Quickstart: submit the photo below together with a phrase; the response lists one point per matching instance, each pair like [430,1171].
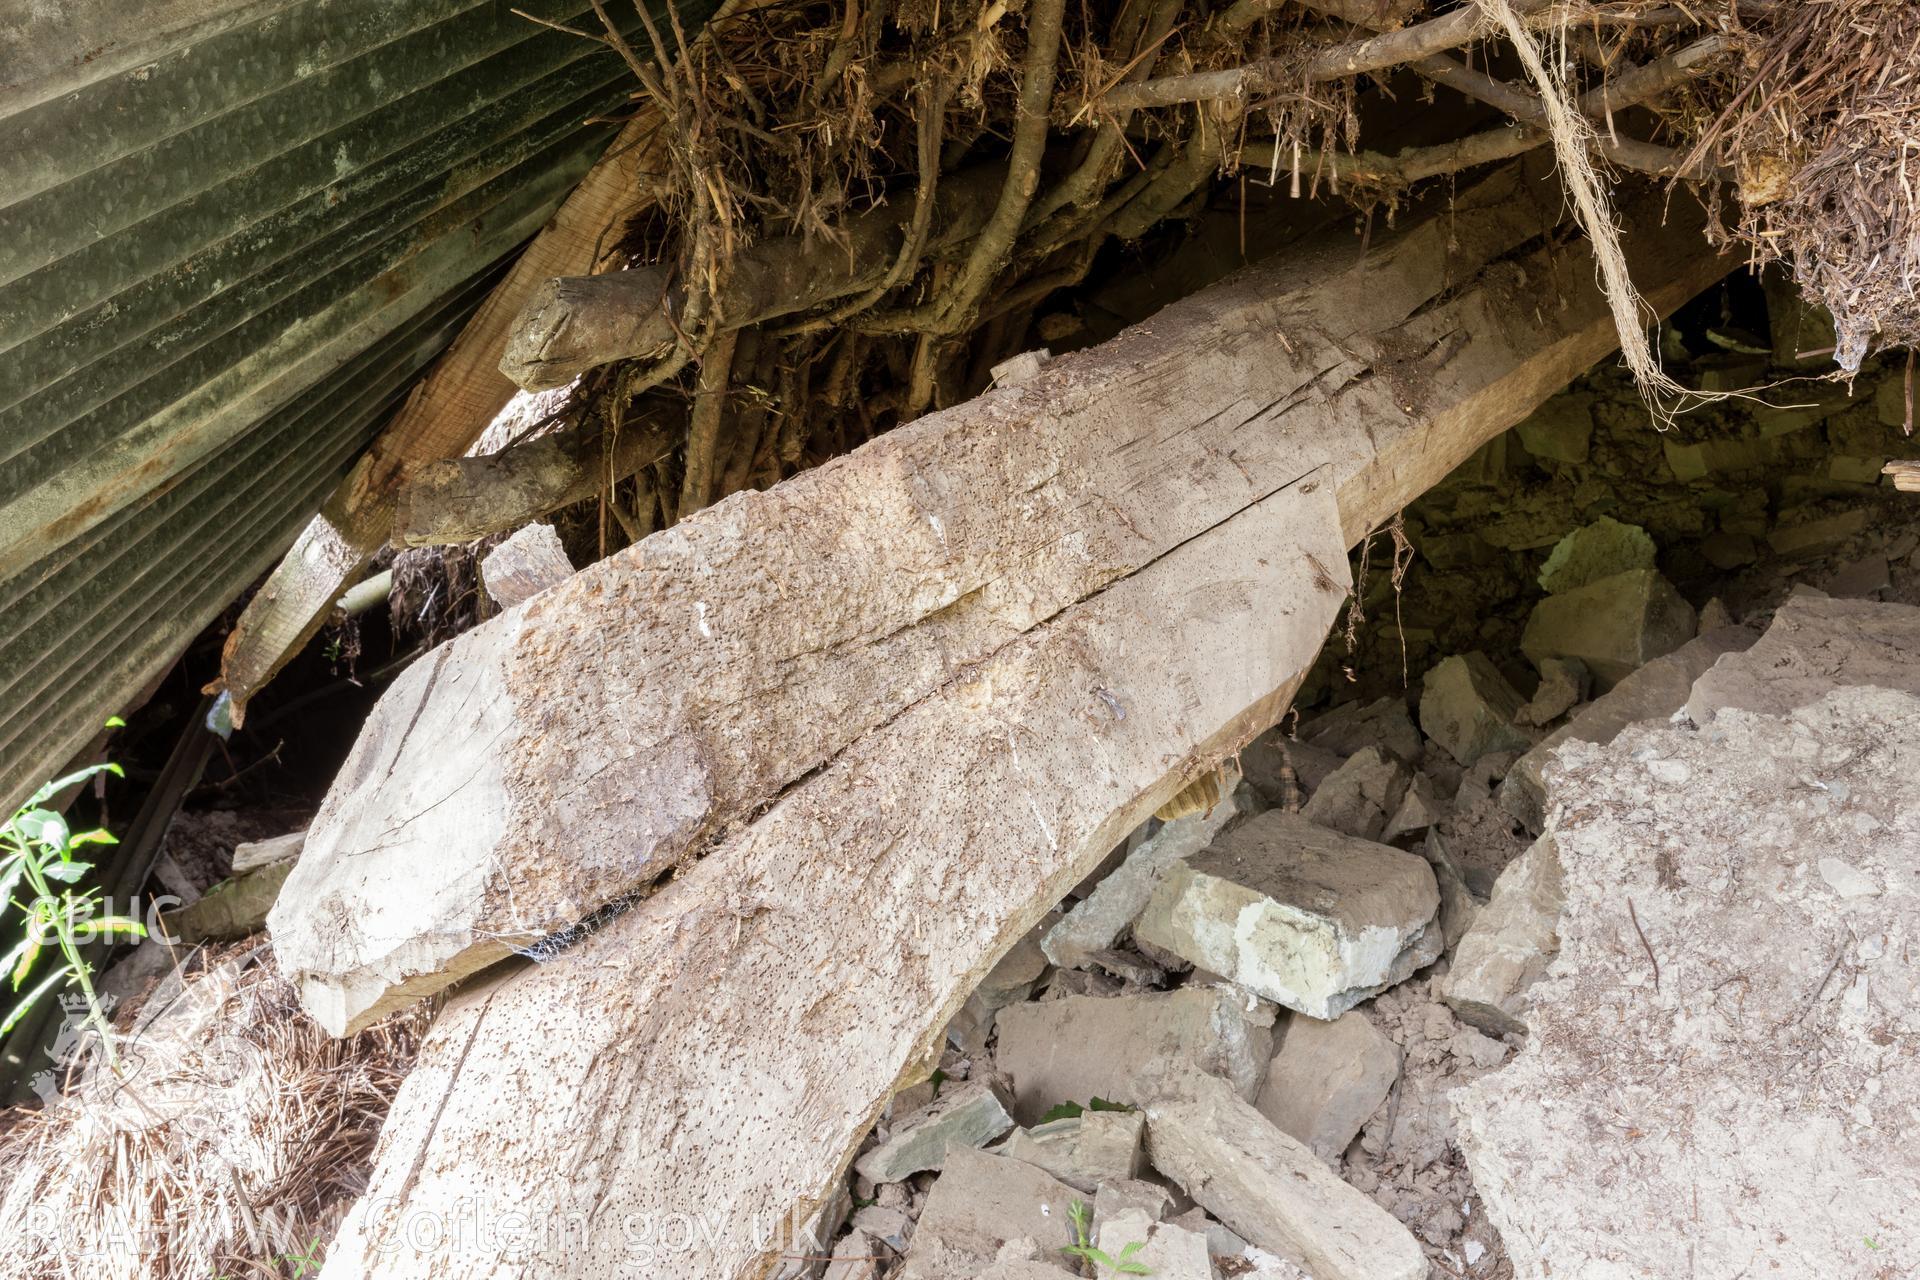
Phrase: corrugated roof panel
[224,253]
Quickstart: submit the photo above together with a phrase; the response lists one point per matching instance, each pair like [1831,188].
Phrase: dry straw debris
[234,1140]
[1092,129]
[1823,131]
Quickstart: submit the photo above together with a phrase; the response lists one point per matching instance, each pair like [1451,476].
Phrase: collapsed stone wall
[1257,1027]
[1740,501]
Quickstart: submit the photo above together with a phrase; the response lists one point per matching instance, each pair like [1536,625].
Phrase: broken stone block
[1563,683]
[1117,1048]
[1284,771]
[1561,430]
[1654,692]
[1728,550]
[1719,1080]
[1450,551]
[1355,726]
[1803,491]
[1132,967]
[1273,1190]
[1098,920]
[855,1257]
[1468,707]
[1714,615]
[1307,917]
[1269,1266]
[1861,579]
[1022,1269]
[816,1236]
[1222,1240]
[1080,982]
[1083,1151]
[231,909]
[1013,977]
[1327,1078]
[1890,402]
[979,1203]
[525,565]
[970,1114]
[1849,468]
[1009,981]
[1525,520]
[1019,1269]
[249,855]
[1166,1251]
[1780,420]
[1595,551]
[1815,644]
[1806,538]
[1613,625]
[890,1226]
[1458,905]
[1121,1195]
[1420,808]
[1483,1051]
[1477,784]
[1361,794]
[1700,460]
[1513,940]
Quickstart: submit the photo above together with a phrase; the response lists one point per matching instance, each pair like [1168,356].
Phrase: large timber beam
[574,751]
[899,704]
[765,1003]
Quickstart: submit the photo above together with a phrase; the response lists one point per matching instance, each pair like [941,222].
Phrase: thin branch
[1630,88]
[703,425]
[1409,45]
[995,242]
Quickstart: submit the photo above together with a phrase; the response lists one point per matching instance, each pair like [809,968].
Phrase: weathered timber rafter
[847,703]
[460,499]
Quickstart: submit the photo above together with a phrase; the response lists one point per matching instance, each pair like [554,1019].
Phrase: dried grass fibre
[1825,137]
[236,1141]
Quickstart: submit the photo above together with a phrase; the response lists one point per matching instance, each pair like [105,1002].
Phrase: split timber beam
[878,718]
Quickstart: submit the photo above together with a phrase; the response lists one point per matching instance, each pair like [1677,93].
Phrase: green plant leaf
[96,836]
[66,872]
[14,953]
[1102,1104]
[1065,1111]
[26,1002]
[27,952]
[42,826]
[79,775]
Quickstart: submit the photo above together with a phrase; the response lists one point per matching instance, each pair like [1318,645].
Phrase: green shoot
[37,853]
[1073,1110]
[1083,1247]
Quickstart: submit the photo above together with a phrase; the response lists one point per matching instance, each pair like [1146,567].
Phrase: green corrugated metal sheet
[231,234]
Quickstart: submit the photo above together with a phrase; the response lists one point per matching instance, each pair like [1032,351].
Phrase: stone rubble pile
[1376,1012]
[1268,1039]
[1227,1053]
